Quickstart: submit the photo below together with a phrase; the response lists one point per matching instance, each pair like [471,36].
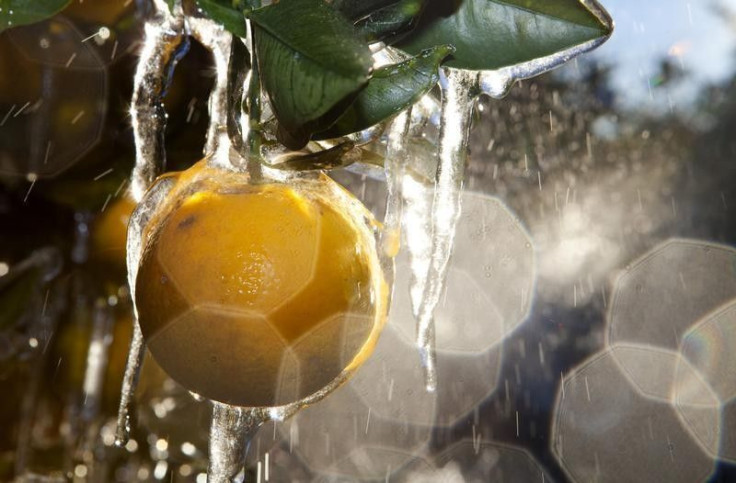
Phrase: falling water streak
[165,42]
[231,430]
[458,95]
[134,248]
[219,42]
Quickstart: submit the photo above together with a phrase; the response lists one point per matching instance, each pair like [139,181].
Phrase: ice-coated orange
[261,295]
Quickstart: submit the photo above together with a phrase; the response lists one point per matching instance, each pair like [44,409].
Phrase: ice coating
[396,154]
[138,221]
[231,430]
[165,42]
[497,83]
[218,41]
[458,94]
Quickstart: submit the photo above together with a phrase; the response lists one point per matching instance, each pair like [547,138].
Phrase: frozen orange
[260,295]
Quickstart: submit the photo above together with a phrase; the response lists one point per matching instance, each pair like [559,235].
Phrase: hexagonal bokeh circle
[661,295]
[705,386]
[272,457]
[108,26]
[47,133]
[482,461]
[343,437]
[391,383]
[490,278]
[190,350]
[605,429]
[415,467]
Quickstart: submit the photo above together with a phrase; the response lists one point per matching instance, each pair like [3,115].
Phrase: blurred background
[587,332]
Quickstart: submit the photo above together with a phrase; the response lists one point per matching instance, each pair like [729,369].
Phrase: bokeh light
[50,58]
[660,296]
[705,386]
[606,430]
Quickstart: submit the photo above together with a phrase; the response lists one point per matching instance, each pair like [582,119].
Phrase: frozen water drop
[496,83]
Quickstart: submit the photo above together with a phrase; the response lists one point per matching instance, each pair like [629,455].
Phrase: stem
[458,95]
[231,431]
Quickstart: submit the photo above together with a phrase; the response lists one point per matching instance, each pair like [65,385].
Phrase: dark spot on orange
[187,222]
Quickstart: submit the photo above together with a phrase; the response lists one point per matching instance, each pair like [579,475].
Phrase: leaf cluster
[315,62]
[316,65]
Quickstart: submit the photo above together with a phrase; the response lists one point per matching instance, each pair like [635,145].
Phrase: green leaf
[355,10]
[23,12]
[491,34]
[392,89]
[228,13]
[391,20]
[171,4]
[311,62]
[378,19]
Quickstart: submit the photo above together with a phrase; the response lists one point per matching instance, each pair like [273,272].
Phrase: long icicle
[231,430]
[458,95]
[219,42]
[395,165]
[130,382]
[165,43]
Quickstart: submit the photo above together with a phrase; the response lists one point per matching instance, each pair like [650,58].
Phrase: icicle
[230,433]
[134,248]
[130,382]
[219,42]
[395,164]
[417,221]
[165,42]
[458,95]
[497,83]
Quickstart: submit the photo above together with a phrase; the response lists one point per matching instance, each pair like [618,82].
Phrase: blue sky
[690,32]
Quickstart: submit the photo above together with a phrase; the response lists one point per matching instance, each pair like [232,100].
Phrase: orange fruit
[110,231]
[259,295]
